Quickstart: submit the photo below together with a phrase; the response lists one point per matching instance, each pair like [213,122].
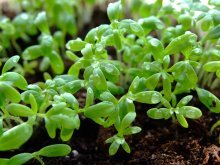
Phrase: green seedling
[56,150]
[181,111]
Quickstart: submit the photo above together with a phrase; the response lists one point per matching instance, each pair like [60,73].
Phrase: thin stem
[16,46]
[40,160]
[210,79]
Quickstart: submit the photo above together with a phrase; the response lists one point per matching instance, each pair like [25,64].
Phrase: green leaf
[125,106]
[50,127]
[113,148]
[19,110]
[137,85]
[66,134]
[91,36]
[126,147]
[1,126]
[10,63]
[87,51]
[110,71]
[73,86]
[114,11]
[45,64]
[16,79]
[157,49]
[185,74]
[32,52]
[56,109]
[148,97]
[206,22]
[15,137]
[114,89]
[181,43]
[70,100]
[9,29]
[190,112]
[46,43]
[213,33]
[150,23]
[184,101]
[33,103]
[41,22]
[127,120]
[4,161]
[20,159]
[137,29]
[55,150]
[209,100]
[64,120]
[159,113]
[166,61]
[166,103]
[56,63]
[9,92]
[72,56]
[76,45]
[131,130]
[107,96]
[152,81]
[89,97]
[181,119]
[185,20]
[99,80]
[166,87]
[212,66]
[117,39]
[102,109]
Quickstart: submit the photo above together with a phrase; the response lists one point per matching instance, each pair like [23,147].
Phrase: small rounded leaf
[127,120]
[99,80]
[9,92]
[20,159]
[126,147]
[19,110]
[113,148]
[41,22]
[16,79]
[148,97]
[15,137]
[190,112]
[131,130]
[184,101]
[102,109]
[181,119]
[114,11]
[55,150]
[212,66]
[89,97]
[10,63]
[76,45]
[161,113]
